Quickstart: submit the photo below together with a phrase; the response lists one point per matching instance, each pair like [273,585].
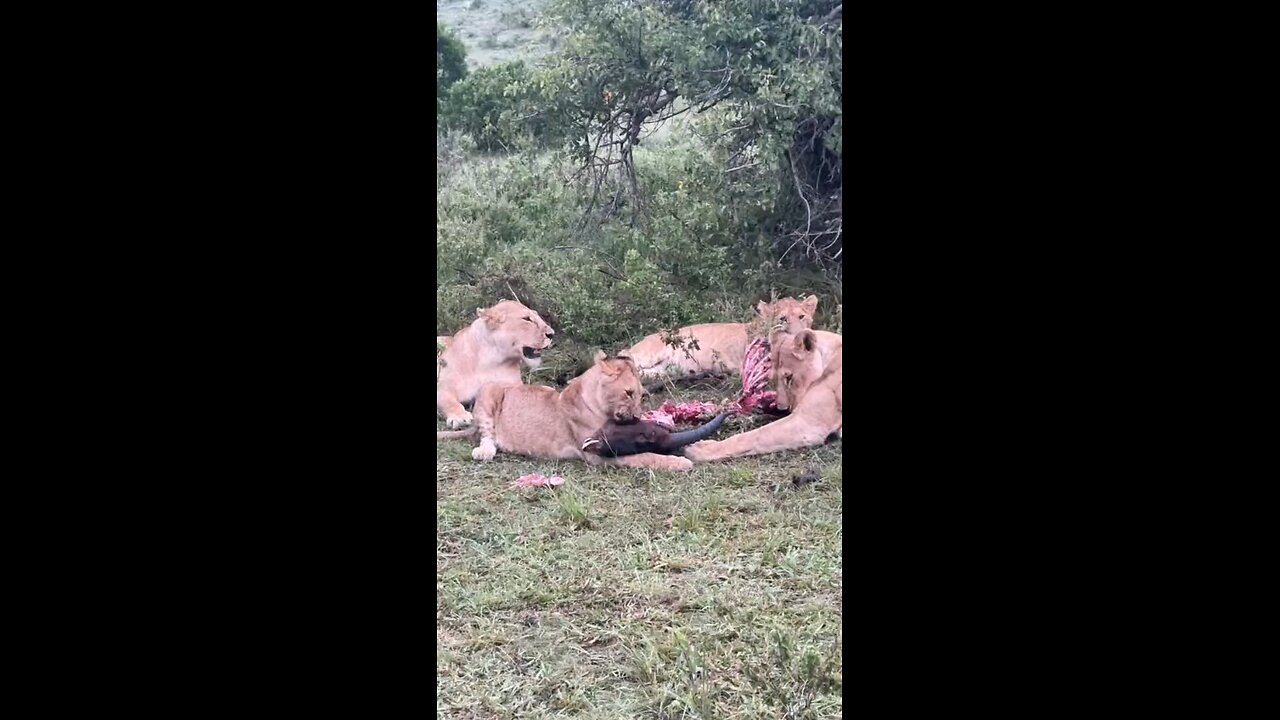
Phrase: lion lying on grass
[541,422]
[719,346]
[491,349]
[807,376]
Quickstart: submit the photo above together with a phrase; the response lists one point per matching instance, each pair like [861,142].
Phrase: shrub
[498,107]
[451,61]
[510,225]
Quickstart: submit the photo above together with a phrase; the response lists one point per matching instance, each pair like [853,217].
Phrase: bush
[510,225]
[770,74]
[498,107]
[451,61]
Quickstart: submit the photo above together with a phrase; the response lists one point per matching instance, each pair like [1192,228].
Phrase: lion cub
[719,346]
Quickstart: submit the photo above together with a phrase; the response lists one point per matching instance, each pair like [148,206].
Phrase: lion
[719,346]
[491,349]
[538,421]
[807,377]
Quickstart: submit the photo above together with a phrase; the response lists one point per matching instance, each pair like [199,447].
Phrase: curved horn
[688,437]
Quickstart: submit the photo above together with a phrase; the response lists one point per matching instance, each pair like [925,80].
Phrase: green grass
[636,594]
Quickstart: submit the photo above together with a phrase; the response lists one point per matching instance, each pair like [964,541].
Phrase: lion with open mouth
[493,348]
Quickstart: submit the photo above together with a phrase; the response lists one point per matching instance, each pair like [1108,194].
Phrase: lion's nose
[550,332]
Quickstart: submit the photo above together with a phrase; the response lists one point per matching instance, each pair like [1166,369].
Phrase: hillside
[496,31]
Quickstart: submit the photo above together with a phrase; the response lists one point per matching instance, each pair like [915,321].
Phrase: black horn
[688,437]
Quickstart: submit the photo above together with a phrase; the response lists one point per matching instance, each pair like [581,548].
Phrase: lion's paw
[701,451]
[457,421]
[485,451]
[673,462]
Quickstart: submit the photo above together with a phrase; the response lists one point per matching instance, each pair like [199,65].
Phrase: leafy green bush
[769,74]
[510,225]
[451,61]
[499,107]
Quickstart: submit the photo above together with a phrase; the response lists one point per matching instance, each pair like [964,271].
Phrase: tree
[766,76]
[451,60]
[491,104]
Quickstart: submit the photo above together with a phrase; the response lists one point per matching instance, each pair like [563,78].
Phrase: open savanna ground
[627,593]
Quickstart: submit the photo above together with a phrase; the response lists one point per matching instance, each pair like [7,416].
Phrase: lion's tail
[456,434]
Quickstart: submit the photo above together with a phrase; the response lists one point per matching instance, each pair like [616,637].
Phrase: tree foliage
[496,106]
[766,76]
[451,60]
[629,226]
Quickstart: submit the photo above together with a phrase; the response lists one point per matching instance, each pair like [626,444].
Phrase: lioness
[490,349]
[806,375]
[719,346]
[540,422]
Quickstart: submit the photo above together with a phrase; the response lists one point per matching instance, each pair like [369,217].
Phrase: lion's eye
[802,317]
[631,393]
[529,319]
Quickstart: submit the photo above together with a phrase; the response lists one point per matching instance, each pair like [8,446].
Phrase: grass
[636,594]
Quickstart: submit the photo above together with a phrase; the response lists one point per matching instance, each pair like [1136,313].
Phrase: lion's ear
[598,357]
[810,303]
[608,366]
[490,318]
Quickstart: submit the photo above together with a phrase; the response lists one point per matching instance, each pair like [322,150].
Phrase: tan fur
[540,422]
[490,349]
[720,346]
[807,376]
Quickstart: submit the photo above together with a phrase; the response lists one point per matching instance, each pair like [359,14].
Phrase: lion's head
[517,331]
[788,314]
[796,366]
[616,390]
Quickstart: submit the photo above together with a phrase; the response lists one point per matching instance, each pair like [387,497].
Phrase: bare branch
[807,208]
